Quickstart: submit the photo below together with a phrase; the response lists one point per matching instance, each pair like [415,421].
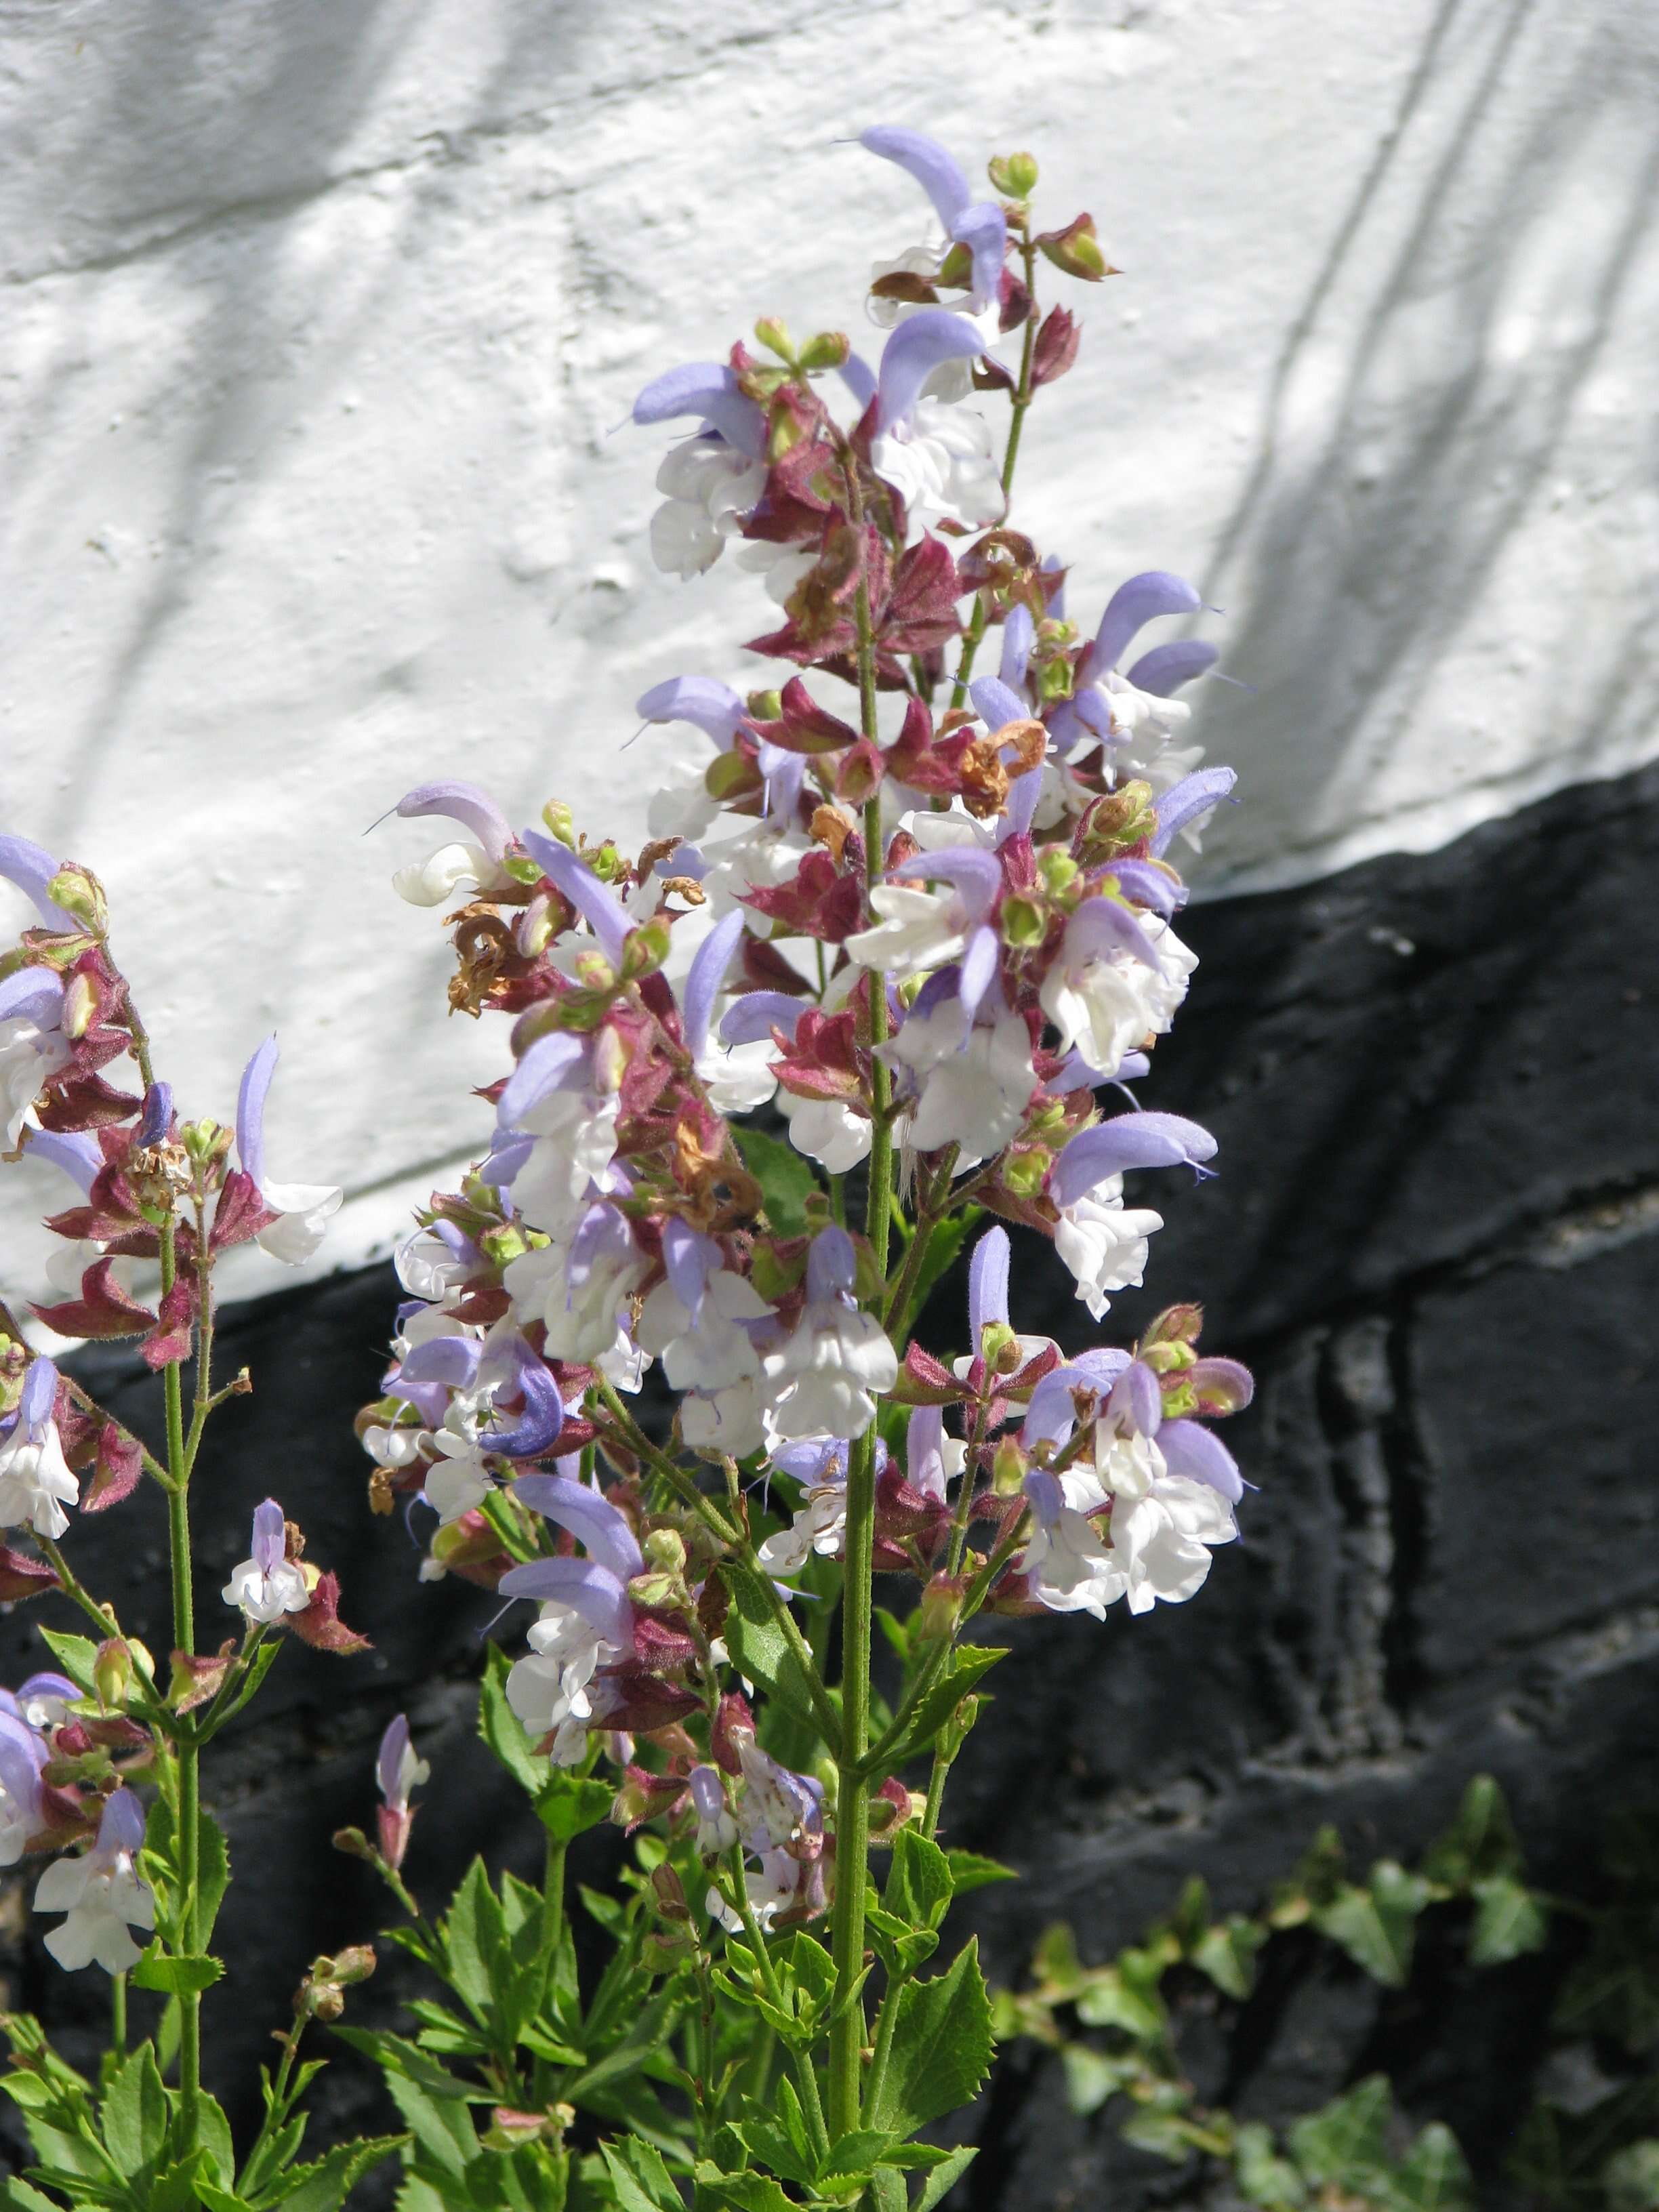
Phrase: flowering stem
[1022,396]
[118,2014]
[806,2076]
[184,1638]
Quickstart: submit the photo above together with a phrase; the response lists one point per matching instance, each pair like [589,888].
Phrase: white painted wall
[316,313]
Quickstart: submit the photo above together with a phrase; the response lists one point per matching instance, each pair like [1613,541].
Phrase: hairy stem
[1022,400]
[189,1756]
[806,2078]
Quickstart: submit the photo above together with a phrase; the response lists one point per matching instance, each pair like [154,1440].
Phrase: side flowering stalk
[934,945]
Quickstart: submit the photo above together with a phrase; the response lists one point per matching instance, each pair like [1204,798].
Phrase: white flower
[35,1480]
[549,1689]
[712,1352]
[727,1422]
[820,1380]
[433,881]
[456,1482]
[941,461]
[827,1130]
[681,806]
[1103,1243]
[101,1893]
[1104,1004]
[710,486]
[1071,1565]
[760,857]
[919,930]
[576,1289]
[820,1526]
[576,1133]
[738,1077]
[29,1054]
[783,566]
[975,1078]
[1161,1542]
[267,1583]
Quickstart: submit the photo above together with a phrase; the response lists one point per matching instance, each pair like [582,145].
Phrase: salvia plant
[919,929]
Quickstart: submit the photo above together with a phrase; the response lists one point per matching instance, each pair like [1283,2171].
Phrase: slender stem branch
[806,2078]
[118,2014]
[1022,399]
[184,1638]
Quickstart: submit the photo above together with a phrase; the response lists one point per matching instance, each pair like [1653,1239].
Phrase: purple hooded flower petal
[831,1265]
[1190,1450]
[1074,1074]
[1136,1398]
[1100,1368]
[926,161]
[1135,603]
[1046,1498]
[975,874]
[389,1761]
[1019,808]
[1227,1380]
[922,343]
[709,389]
[588,1589]
[714,708]
[1019,637]
[980,966]
[1066,727]
[983,229]
[121,1827]
[31,868]
[1149,886]
[996,704]
[602,1235]
[785,772]
[604,912]
[510,1156]
[815,1461]
[705,976]
[860,379]
[689,1258]
[1163,669]
[21,1755]
[924,1451]
[35,993]
[464,803]
[156,1118]
[1183,802]
[592,1520]
[988,1284]
[268,1548]
[38,1396]
[1128,1140]
[251,1111]
[757,1013]
[558,1061]
[451,1360]
[536,1428]
[708,1792]
[1101,926]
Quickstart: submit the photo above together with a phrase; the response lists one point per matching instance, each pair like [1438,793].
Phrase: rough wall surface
[1435,1242]
[317,320]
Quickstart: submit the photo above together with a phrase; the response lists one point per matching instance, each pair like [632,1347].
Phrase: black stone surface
[1434,1080]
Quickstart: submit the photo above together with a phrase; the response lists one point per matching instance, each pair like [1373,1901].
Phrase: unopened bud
[1169,1359]
[327,2001]
[665,1550]
[354,1843]
[829,349]
[561,822]
[355,1964]
[1024,1172]
[1077,249]
[1008,1467]
[773,332]
[1058,870]
[502,1244]
[1024,921]
[79,892]
[1013,176]
[668,1894]
[111,1674]
[80,1006]
[1181,1324]
[609,1059]
[765,705]
[941,1606]
[645,951]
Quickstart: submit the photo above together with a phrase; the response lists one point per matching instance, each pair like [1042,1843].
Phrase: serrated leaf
[856,2153]
[641,2181]
[941,2048]
[135,2113]
[177,1976]
[74,1654]
[1479,1843]
[972,1870]
[1226,1954]
[1263,2177]
[944,2176]
[1107,1998]
[569,1807]
[784,1176]
[758,1645]
[920,1885]
[500,1729]
[738,2193]
[1508,1920]
[1091,2077]
[944,1694]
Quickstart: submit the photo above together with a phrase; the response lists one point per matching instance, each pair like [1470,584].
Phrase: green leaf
[758,1645]
[1480,1842]
[1263,2176]
[919,1887]
[20,2197]
[212,1874]
[1508,1920]
[741,2192]
[1630,2178]
[475,1941]
[442,2125]
[569,1805]
[941,2049]
[641,2182]
[1226,1953]
[74,1654]
[1091,2077]
[1434,2175]
[887,2190]
[944,2176]
[970,1870]
[177,1976]
[1345,2145]
[1166,2132]
[501,1728]
[135,2113]
[944,1694]
[784,1176]
[1376,1926]
[324,2186]
[1110,1998]
[856,2153]
[946,1240]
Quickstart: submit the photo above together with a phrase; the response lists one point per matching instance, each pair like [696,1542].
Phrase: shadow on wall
[1428,402]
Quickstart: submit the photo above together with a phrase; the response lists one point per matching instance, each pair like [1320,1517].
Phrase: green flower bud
[500,1245]
[1013,176]
[996,1341]
[1077,249]
[829,349]
[1024,1172]
[561,821]
[79,892]
[773,332]
[665,1550]
[1025,924]
[646,950]
[1058,870]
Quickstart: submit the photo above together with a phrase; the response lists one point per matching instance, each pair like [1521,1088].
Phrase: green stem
[184,1638]
[806,2079]
[118,2014]
[1023,397]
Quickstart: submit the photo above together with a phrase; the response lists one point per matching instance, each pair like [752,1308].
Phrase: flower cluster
[935,943]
